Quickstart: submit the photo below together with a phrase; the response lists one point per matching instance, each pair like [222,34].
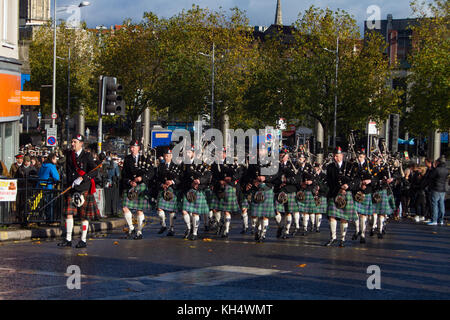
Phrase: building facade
[9,81]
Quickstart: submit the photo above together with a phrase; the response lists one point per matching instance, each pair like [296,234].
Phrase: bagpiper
[362,194]
[320,192]
[196,179]
[226,176]
[384,203]
[169,179]
[262,204]
[340,178]
[80,201]
[137,172]
[305,198]
[287,183]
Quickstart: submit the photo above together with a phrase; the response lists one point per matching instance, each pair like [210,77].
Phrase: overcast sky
[260,12]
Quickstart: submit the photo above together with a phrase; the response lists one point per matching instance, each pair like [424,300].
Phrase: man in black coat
[80,201]
[438,180]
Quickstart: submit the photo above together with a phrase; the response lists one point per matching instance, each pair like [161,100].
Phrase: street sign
[39,115]
[54,116]
[373,128]
[51,137]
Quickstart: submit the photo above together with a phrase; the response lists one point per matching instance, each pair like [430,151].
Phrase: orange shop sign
[9,95]
[30,98]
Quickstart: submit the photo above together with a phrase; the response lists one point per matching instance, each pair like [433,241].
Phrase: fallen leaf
[82,254]
[125,229]
[207,239]
[210,250]
[301,266]
[37,242]
[434,232]
[116,243]
[192,247]
[34,239]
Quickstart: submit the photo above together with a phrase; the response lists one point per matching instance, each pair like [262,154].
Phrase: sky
[259,12]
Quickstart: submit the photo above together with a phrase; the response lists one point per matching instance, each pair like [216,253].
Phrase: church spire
[278,16]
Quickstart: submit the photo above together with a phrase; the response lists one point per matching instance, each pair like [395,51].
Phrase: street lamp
[336,84]
[68,94]
[212,56]
[82,4]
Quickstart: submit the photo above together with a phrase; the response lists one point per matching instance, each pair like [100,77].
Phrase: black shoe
[187,234]
[171,233]
[279,232]
[131,234]
[257,236]
[341,243]
[330,243]
[261,239]
[162,230]
[356,235]
[65,243]
[193,237]
[285,236]
[303,233]
[294,232]
[225,235]
[318,230]
[371,232]
[138,237]
[81,244]
[362,240]
[380,235]
[244,230]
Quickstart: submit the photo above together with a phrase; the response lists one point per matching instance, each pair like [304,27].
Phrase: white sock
[162,216]
[305,221]
[84,230]
[333,226]
[171,215]
[318,220]
[227,223]
[344,226]
[69,229]
[129,219]
[381,223]
[254,221]
[210,214]
[278,219]
[288,223]
[312,218]
[245,220]
[374,221]
[187,220]
[297,220]
[195,221]
[362,222]
[265,226]
[357,223]
[217,216]
[140,219]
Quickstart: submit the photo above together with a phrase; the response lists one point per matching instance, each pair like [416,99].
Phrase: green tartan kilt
[322,208]
[141,203]
[365,207]
[211,198]
[386,205]
[169,206]
[266,208]
[348,213]
[230,202]
[200,206]
[243,201]
[290,206]
[308,205]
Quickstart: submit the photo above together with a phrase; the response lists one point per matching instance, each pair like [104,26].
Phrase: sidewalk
[53,232]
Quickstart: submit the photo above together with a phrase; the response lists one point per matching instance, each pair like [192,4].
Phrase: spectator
[437,182]
[25,186]
[35,163]
[429,163]
[4,172]
[47,174]
[15,166]
[418,192]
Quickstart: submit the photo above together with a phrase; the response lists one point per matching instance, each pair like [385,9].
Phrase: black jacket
[336,177]
[293,178]
[438,178]
[173,172]
[143,168]
[86,163]
[194,171]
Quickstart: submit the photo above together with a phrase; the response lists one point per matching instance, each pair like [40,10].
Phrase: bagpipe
[143,166]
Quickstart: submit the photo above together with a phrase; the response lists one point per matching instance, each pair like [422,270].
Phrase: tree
[429,78]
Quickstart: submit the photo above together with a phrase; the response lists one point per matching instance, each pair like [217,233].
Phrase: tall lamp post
[212,56]
[336,84]
[82,4]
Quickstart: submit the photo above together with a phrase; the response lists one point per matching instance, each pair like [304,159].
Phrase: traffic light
[111,100]
[394,134]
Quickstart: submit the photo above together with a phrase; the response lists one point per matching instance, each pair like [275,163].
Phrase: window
[9,34]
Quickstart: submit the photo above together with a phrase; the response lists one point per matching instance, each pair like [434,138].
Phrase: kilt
[308,205]
[348,213]
[200,206]
[290,206]
[387,204]
[230,202]
[365,207]
[266,208]
[243,201]
[169,206]
[211,198]
[88,210]
[142,201]
[322,208]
